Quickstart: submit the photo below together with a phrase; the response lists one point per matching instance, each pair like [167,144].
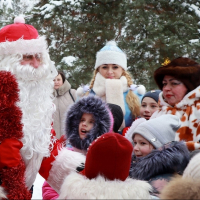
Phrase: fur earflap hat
[109,156]
[103,121]
[21,38]
[111,54]
[158,131]
[183,69]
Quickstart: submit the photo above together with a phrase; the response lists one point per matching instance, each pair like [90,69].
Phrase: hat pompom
[19,20]
[111,43]
[141,90]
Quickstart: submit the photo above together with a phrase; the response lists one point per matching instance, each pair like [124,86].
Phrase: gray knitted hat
[159,131]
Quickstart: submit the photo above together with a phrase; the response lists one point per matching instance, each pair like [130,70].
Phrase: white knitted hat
[111,54]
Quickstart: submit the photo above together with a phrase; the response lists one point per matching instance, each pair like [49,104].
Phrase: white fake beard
[36,89]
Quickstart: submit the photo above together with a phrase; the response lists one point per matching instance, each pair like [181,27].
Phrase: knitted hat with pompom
[111,54]
[21,38]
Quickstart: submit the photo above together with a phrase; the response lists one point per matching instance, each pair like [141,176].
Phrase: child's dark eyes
[143,105]
[154,106]
[143,143]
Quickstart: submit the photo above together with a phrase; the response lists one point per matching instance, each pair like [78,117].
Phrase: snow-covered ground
[37,190]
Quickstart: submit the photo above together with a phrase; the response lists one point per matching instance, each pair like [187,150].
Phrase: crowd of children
[137,160]
[117,142]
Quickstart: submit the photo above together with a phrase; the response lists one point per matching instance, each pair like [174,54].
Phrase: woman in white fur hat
[113,83]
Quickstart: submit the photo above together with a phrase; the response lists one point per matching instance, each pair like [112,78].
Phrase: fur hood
[77,186]
[102,116]
[181,188]
[169,159]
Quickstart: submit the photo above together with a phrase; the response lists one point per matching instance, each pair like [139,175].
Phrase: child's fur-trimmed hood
[172,158]
[102,117]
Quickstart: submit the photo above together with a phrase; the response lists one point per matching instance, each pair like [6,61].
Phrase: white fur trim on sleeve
[66,162]
[2,193]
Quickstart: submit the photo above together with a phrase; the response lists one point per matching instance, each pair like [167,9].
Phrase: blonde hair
[131,98]
[92,81]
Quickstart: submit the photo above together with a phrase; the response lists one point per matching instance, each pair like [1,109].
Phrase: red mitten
[10,153]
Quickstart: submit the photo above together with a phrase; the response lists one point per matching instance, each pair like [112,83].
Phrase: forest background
[149,31]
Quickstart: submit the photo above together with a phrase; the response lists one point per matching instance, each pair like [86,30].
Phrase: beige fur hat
[193,168]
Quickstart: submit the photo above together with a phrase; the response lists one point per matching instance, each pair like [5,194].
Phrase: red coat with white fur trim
[57,166]
[188,110]
[60,163]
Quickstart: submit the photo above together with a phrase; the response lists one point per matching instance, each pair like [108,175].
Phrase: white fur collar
[77,186]
[99,86]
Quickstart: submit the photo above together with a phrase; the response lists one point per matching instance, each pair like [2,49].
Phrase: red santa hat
[110,156]
[21,38]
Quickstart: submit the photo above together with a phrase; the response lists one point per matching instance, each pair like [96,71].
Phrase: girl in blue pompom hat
[113,83]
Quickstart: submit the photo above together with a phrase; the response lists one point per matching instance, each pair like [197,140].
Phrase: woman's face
[110,71]
[173,90]
[58,81]
[148,107]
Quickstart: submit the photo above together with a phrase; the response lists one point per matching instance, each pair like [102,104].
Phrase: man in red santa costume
[24,53]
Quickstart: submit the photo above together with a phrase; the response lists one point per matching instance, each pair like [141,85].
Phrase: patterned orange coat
[188,110]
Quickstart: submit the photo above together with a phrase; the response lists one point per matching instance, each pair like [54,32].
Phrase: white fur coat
[77,186]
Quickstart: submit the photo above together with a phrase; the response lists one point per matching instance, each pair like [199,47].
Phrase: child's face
[148,107]
[141,146]
[85,125]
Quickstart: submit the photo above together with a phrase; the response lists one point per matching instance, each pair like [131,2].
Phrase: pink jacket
[48,192]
